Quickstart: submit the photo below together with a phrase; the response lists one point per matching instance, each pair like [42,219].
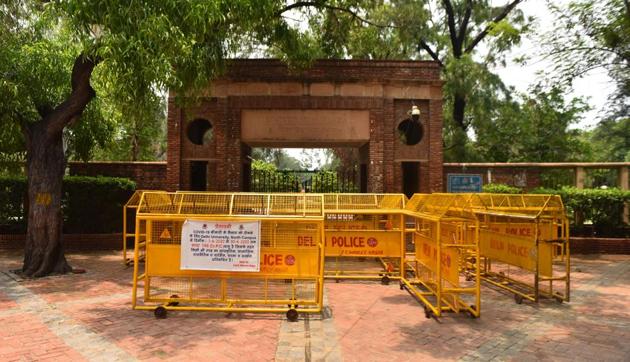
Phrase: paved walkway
[88,317]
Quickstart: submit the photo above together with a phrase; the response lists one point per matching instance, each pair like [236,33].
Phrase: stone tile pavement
[89,317]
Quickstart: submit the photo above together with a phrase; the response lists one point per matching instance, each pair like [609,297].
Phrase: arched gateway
[336,103]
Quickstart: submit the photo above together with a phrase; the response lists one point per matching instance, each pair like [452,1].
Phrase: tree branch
[450,14]
[504,13]
[423,45]
[82,93]
[464,25]
[323,5]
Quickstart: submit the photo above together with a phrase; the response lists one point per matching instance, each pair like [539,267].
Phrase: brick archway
[334,103]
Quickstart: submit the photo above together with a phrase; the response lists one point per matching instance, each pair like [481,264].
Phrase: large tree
[133,48]
[466,37]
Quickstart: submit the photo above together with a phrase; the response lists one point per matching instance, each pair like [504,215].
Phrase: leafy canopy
[141,48]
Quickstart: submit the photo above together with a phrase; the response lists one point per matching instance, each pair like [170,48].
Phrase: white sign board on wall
[220,246]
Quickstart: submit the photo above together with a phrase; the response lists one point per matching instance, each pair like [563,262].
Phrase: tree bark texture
[44,254]
[459,108]
[46,164]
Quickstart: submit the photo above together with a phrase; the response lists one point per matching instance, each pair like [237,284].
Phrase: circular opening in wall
[199,131]
[410,132]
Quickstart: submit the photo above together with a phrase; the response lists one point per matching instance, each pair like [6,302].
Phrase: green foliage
[611,140]
[536,128]
[12,201]
[403,29]
[602,207]
[267,178]
[94,204]
[142,48]
[592,34]
[276,156]
[328,181]
[501,189]
[89,204]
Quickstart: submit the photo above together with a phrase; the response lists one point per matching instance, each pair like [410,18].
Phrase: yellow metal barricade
[524,244]
[129,215]
[289,277]
[365,236]
[444,233]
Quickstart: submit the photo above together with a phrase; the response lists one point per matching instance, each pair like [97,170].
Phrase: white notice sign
[220,246]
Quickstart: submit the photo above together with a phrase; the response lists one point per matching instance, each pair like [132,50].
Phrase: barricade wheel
[402,286]
[427,313]
[518,299]
[292,315]
[336,280]
[173,303]
[160,312]
[558,299]
[469,277]
[385,280]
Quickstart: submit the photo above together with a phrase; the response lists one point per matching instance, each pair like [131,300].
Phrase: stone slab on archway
[305,128]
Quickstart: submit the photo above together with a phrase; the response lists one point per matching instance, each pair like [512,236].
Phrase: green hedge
[12,201]
[501,189]
[603,208]
[89,204]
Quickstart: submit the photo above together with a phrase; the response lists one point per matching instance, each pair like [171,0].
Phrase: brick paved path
[88,317]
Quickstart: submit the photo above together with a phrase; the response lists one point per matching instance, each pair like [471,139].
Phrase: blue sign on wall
[464,183]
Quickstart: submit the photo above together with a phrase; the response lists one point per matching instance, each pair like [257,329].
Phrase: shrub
[94,204]
[88,204]
[603,207]
[329,181]
[501,189]
[12,201]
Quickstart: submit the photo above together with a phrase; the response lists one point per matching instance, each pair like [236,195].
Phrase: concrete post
[580,176]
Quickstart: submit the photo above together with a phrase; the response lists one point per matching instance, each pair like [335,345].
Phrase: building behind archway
[335,103]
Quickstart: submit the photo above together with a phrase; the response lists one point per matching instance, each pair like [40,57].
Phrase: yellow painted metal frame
[547,214]
[361,205]
[290,209]
[130,207]
[431,284]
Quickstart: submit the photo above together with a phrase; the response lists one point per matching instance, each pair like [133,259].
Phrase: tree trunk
[460,137]
[459,106]
[43,253]
[46,164]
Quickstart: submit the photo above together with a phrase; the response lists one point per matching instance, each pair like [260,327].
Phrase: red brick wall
[528,178]
[147,175]
[244,70]
[599,246]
